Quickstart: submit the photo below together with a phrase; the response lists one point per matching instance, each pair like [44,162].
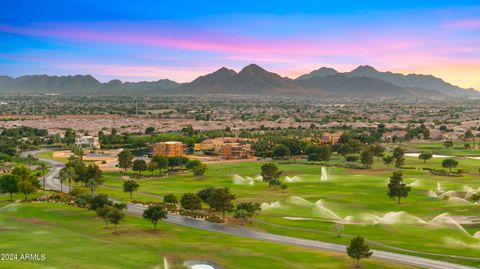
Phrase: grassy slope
[438,148]
[350,192]
[75,238]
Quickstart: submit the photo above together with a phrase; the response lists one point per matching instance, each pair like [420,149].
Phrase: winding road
[52,182]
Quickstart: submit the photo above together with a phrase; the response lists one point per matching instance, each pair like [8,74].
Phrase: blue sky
[149,40]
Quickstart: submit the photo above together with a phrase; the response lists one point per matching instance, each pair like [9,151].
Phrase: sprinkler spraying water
[165,263]
[324,176]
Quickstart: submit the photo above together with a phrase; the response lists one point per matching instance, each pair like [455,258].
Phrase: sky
[151,40]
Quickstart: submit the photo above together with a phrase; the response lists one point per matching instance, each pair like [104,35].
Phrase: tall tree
[103,212]
[139,166]
[280,151]
[67,174]
[161,161]
[344,150]
[99,200]
[366,158]
[191,201]
[270,172]
[125,159]
[449,163]
[206,193]
[9,184]
[43,167]
[78,151]
[425,156]
[26,187]
[398,153]
[399,162]
[115,217]
[358,250]
[69,137]
[154,214]
[325,153]
[30,160]
[378,150]
[448,144]
[222,200]
[198,168]
[387,160]
[396,187]
[130,186]
[94,176]
[152,167]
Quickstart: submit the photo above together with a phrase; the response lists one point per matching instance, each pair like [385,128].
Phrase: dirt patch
[32,220]
[137,233]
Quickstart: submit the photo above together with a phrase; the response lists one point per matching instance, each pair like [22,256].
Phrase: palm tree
[43,166]
[67,173]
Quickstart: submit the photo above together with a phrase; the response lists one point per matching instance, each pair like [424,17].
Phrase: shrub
[215,219]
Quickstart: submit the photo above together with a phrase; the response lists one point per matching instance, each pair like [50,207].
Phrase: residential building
[235,151]
[208,145]
[169,148]
[331,138]
[88,142]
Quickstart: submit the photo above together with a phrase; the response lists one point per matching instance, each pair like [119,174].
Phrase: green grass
[438,148]
[49,155]
[75,238]
[350,192]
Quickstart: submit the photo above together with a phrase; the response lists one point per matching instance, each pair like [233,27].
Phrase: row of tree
[160,163]
[20,180]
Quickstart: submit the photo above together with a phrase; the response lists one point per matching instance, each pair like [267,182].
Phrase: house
[331,138]
[208,145]
[393,135]
[235,151]
[169,148]
[88,142]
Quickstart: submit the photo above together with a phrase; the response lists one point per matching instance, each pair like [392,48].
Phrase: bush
[215,219]
[76,192]
[170,199]
[194,214]
[442,172]
[82,201]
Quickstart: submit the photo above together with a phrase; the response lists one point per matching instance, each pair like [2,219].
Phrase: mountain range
[251,80]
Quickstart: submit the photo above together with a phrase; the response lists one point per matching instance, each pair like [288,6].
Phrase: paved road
[52,182]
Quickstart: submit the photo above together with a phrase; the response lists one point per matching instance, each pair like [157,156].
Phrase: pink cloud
[474,24]
[221,42]
[136,72]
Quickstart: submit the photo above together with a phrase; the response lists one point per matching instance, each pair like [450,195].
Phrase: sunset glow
[181,42]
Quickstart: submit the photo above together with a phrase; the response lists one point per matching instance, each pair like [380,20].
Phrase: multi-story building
[169,148]
[88,142]
[235,151]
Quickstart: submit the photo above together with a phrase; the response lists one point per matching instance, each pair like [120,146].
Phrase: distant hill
[144,87]
[79,84]
[44,83]
[321,72]
[341,84]
[251,80]
[412,81]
